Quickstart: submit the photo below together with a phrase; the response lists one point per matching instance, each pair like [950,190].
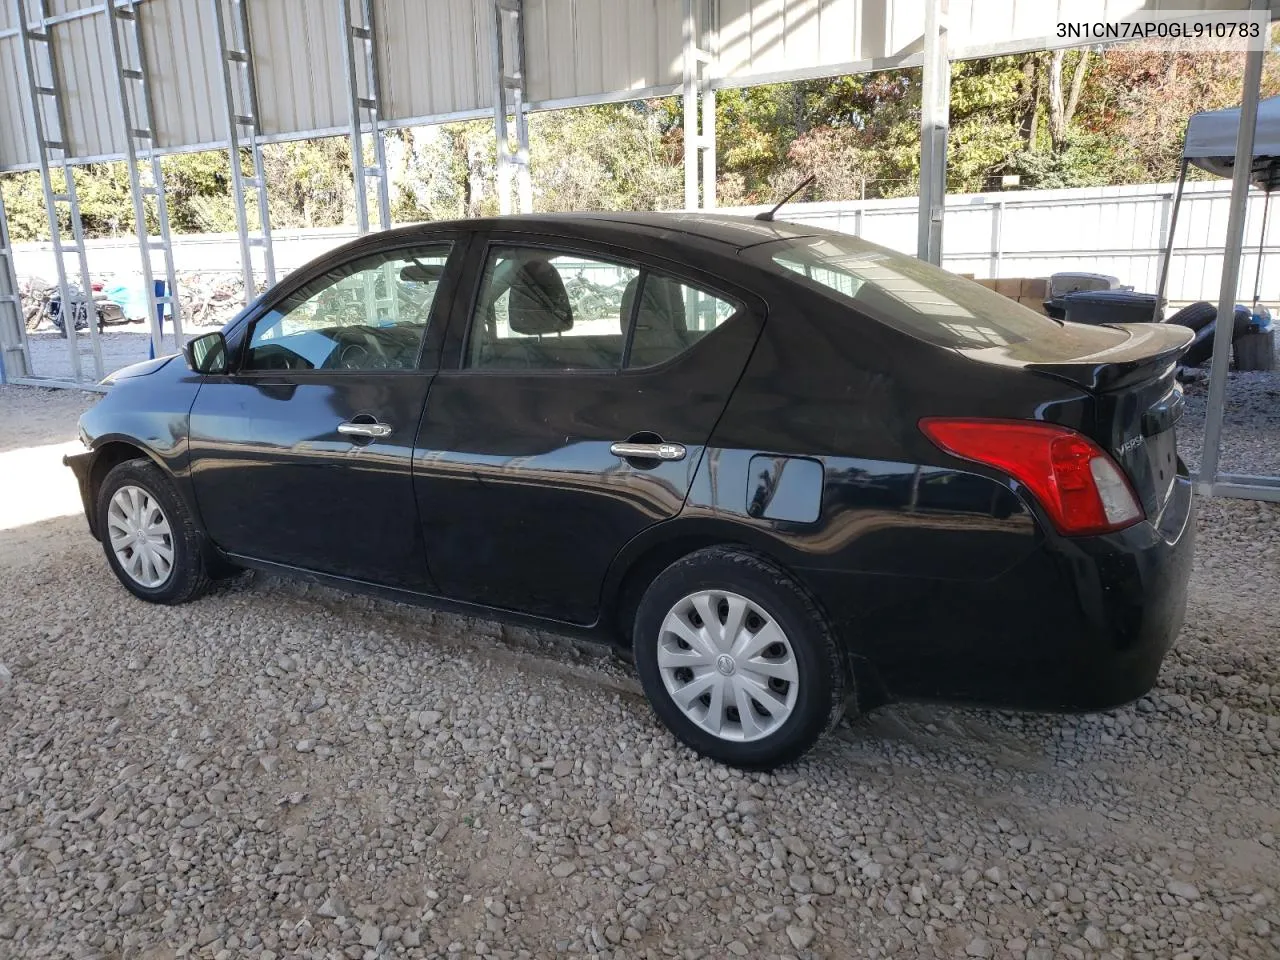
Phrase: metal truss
[509,101]
[699,97]
[140,140]
[365,89]
[54,151]
[15,356]
[235,53]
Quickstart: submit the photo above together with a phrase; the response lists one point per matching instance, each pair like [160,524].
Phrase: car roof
[737,232]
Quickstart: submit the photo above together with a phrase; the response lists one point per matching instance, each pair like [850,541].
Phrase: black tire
[187,579]
[1195,316]
[824,680]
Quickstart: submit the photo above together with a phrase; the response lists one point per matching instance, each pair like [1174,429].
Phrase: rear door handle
[349,428]
[648,451]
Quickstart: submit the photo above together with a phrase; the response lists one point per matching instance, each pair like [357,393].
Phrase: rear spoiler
[1150,352]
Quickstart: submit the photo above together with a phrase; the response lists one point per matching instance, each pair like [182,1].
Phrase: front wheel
[147,533]
[737,659]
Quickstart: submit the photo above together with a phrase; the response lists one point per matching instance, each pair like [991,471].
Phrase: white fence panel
[1033,233]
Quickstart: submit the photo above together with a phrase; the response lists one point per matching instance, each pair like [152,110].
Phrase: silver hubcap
[140,536]
[727,664]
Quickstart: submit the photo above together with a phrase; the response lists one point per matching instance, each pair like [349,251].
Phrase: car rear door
[302,455]
[578,391]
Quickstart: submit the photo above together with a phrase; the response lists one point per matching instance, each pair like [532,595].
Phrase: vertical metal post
[699,104]
[56,149]
[935,108]
[240,91]
[364,88]
[509,99]
[1168,244]
[15,354]
[1262,242]
[997,238]
[139,136]
[1225,325]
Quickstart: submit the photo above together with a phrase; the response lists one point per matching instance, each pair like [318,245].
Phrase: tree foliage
[1054,119]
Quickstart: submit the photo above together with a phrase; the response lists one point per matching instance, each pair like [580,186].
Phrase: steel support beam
[1167,256]
[132,74]
[53,148]
[935,111]
[15,355]
[1231,255]
[240,91]
[364,87]
[509,102]
[699,102]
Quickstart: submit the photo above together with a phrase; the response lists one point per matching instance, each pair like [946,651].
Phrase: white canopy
[1211,142]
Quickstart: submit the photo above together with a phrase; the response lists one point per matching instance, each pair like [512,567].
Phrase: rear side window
[543,310]
[909,294]
[668,317]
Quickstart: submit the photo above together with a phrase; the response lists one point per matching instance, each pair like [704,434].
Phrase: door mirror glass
[207,354]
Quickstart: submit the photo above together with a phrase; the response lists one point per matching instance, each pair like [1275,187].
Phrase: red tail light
[1076,482]
[96,286]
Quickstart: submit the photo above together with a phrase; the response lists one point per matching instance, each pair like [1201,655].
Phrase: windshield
[908,294]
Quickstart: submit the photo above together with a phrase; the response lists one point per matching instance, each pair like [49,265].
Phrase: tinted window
[669,318]
[369,314]
[543,310]
[907,293]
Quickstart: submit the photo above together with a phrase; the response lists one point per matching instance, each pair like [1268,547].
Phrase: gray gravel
[1250,424]
[280,770]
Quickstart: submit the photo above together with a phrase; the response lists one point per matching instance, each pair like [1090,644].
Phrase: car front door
[302,455]
[583,388]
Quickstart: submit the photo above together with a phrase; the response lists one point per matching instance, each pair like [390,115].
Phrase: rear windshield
[909,294]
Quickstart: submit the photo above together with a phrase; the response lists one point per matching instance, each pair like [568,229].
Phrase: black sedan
[797,475]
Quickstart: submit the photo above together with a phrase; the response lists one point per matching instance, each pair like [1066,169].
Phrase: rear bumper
[1080,624]
[81,465]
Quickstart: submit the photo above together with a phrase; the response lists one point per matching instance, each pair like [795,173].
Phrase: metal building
[130,80]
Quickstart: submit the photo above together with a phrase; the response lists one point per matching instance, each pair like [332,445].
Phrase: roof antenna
[768,214]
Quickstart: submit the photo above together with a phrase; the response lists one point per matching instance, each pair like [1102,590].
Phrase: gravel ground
[1250,424]
[281,770]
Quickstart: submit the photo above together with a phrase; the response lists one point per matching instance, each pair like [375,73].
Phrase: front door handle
[648,451]
[350,428]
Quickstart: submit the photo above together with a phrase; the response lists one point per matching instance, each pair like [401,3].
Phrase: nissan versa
[796,474]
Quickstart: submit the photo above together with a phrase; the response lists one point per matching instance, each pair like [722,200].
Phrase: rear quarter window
[907,294]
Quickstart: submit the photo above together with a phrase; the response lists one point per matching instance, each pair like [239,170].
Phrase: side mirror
[206,354]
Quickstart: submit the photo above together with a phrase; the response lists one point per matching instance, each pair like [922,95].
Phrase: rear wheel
[737,660]
[148,536]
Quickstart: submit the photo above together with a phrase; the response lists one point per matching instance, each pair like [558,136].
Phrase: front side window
[369,314]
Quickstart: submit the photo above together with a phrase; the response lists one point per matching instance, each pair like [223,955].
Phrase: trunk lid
[1128,369]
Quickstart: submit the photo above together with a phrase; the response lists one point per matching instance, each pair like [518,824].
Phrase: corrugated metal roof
[17,142]
[763,37]
[90,87]
[436,56]
[299,65]
[182,58]
[581,48]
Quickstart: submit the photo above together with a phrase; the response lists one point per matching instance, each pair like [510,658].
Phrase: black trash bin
[1255,347]
[1110,306]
